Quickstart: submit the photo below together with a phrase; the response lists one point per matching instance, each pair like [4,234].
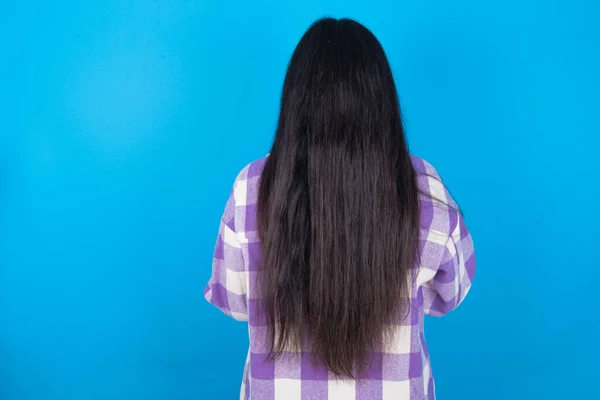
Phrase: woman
[335,246]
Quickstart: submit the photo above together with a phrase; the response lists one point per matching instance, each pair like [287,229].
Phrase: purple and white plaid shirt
[402,371]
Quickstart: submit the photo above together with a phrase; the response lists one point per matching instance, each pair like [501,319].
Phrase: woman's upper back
[442,278]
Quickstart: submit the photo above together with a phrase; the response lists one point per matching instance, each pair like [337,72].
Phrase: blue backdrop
[124,124]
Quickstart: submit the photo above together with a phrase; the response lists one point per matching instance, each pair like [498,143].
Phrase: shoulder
[439,210]
[252,170]
[245,188]
[424,168]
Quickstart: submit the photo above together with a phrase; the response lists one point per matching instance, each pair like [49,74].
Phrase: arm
[227,287]
[445,289]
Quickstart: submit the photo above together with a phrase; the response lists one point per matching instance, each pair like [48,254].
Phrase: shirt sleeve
[451,282]
[227,287]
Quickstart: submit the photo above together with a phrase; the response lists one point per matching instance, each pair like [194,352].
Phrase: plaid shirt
[403,371]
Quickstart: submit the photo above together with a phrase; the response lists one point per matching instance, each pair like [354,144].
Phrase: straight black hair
[338,204]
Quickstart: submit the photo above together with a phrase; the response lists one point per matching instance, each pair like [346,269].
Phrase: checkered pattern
[402,371]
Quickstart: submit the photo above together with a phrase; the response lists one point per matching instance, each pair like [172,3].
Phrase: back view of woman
[335,245]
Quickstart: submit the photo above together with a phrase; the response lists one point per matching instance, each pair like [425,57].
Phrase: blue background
[124,124]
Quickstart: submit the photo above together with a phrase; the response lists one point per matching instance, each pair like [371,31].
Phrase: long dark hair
[338,208]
